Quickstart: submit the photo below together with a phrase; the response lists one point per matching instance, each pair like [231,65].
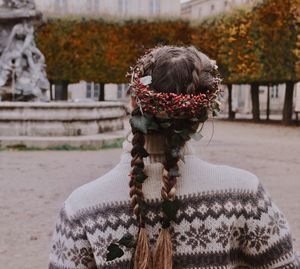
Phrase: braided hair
[179,70]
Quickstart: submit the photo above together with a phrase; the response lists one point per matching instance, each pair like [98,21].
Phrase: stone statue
[22,56]
[22,65]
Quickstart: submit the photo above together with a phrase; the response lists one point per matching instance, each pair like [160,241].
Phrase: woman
[181,212]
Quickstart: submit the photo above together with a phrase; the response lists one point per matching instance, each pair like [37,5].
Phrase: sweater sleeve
[265,238]
[70,247]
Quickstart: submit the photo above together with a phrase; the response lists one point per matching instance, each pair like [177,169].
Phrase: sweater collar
[154,144]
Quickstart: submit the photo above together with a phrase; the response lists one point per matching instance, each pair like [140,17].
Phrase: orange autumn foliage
[260,44]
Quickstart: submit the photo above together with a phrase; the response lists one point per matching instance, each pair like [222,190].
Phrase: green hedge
[250,45]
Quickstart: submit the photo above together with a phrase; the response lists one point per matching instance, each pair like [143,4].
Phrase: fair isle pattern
[216,230]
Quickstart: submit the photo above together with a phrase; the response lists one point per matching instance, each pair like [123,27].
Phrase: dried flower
[163,105]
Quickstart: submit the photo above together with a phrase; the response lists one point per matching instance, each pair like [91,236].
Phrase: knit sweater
[226,219]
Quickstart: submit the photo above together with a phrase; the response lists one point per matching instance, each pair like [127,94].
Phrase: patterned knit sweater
[226,219]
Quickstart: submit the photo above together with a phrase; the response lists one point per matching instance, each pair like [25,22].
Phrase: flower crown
[172,105]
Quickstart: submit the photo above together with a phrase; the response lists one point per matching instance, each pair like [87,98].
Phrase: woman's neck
[155,145]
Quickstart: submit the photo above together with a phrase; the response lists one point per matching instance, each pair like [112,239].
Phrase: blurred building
[87,91]
[196,9]
[131,8]
[241,95]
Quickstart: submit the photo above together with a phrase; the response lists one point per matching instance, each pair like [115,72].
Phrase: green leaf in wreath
[174,172]
[114,252]
[141,177]
[137,170]
[153,125]
[181,157]
[143,153]
[147,80]
[197,136]
[215,113]
[170,208]
[140,123]
[194,120]
[185,134]
[143,207]
[176,140]
[128,241]
[166,124]
[175,152]
[203,116]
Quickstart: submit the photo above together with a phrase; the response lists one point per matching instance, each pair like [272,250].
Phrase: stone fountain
[22,65]
[36,123]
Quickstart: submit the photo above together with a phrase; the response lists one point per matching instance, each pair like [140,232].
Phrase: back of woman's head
[180,70]
[175,89]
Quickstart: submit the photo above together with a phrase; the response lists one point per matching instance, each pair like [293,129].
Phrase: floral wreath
[172,105]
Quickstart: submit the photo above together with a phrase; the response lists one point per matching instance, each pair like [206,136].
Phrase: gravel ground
[33,185]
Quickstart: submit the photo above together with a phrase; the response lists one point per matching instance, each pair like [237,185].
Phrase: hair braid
[142,257]
[163,258]
[136,192]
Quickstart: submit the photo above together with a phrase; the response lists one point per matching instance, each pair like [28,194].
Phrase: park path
[33,185]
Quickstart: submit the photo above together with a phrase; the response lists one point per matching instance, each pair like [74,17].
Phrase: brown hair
[180,70]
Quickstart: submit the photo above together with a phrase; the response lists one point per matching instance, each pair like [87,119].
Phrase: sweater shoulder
[215,177]
[107,189]
[197,176]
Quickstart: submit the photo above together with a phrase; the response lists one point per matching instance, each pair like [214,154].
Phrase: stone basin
[60,118]
[12,14]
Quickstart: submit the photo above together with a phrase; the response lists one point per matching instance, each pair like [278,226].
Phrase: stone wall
[60,119]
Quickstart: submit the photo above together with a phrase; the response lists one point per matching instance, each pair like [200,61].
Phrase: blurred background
[64,109]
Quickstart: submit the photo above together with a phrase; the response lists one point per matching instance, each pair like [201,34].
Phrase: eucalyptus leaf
[194,119]
[175,152]
[197,136]
[143,153]
[181,156]
[176,140]
[174,172]
[166,124]
[185,134]
[114,252]
[203,117]
[170,209]
[143,207]
[147,80]
[128,241]
[140,178]
[140,123]
[215,113]
[137,170]
[153,125]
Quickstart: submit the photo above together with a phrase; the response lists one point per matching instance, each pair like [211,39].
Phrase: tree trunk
[231,114]
[102,92]
[51,92]
[65,90]
[255,101]
[61,91]
[268,103]
[288,103]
